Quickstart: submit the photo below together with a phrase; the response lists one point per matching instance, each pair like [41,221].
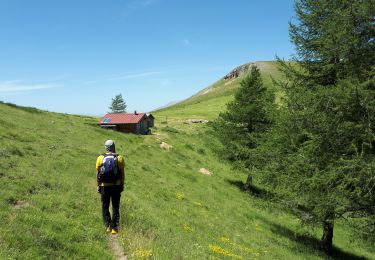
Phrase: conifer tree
[334,39]
[324,144]
[248,116]
[118,105]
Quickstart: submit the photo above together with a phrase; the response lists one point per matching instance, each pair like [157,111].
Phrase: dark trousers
[108,194]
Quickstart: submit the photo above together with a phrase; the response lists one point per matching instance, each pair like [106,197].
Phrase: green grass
[208,103]
[47,199]
[49,206]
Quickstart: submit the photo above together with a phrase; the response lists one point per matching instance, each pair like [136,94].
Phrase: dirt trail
[116,248]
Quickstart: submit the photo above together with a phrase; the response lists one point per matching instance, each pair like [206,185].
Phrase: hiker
[110,176]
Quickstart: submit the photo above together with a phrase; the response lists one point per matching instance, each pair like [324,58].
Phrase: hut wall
[127,128]
[150,121]
[142,127]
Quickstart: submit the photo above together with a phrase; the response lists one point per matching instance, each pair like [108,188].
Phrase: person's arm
[97,166]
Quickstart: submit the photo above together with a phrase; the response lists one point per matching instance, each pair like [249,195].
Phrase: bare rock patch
[20,204]
[205,171]
[165,146]
[197,121]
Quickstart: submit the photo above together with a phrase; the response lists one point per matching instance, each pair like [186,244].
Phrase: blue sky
[73,56]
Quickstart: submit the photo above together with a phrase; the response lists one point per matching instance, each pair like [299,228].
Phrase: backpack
[108,171]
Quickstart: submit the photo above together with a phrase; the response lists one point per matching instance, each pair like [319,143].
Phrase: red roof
[121,118]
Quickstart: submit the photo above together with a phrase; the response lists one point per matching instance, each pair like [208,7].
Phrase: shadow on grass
[254,190]
[310,243]
[307,242]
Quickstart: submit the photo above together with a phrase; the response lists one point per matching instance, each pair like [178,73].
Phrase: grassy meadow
[50,209]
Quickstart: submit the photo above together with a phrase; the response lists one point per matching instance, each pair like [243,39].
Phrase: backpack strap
[109,154]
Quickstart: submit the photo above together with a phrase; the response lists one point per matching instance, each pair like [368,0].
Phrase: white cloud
[135,75]
[17,86]
[9,82]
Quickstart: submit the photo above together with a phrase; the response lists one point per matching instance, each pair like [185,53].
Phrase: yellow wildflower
[257,227]
[142,253]
[187,227]
[237,246]
[224,239]
[222,251]
[179,195]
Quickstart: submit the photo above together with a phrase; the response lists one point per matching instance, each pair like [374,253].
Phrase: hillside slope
[49,206]
[209,102]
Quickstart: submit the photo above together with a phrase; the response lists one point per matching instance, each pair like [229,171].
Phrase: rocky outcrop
[239,71]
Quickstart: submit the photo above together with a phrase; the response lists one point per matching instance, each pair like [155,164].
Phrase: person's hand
[99,189]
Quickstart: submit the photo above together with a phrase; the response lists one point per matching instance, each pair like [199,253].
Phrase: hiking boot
[114,231]
[108,230]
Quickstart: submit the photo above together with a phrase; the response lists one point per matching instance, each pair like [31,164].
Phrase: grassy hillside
[47,202]
[209,102]
[49,206]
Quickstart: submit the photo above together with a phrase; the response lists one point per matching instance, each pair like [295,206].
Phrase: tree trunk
[327,236]
[249,183]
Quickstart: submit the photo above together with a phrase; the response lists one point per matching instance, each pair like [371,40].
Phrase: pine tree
[118,105]
[334,39]
[323,154]
[324,143]
[249,115]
